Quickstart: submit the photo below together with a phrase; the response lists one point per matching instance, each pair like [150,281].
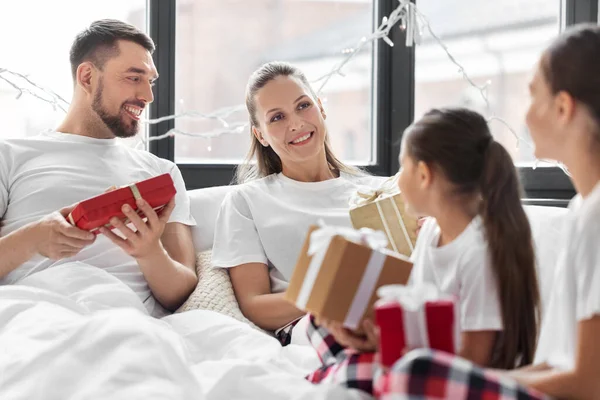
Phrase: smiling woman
[291,180]
[285,113]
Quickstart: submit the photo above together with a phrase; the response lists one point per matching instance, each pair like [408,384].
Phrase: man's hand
[367,342]
[144,241]
[56,239]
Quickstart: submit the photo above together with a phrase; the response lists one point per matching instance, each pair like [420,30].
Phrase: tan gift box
[383,210]
[339,271]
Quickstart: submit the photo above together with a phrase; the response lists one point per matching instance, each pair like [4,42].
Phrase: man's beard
[115,123]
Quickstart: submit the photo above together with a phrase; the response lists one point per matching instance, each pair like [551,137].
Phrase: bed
[63,338]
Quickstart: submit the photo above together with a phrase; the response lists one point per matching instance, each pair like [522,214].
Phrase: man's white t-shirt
[575,294]
[43,174]
[461,268]
[266,220]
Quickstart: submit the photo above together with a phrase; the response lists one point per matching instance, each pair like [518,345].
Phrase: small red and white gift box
[413,317]
[93,213]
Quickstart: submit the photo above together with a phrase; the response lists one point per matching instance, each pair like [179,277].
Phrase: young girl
[564,121]
[477,245]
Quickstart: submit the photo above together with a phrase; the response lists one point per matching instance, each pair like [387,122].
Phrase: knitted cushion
[214,291]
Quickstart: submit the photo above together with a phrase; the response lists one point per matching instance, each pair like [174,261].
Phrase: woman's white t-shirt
[463,269]
[576,291]
[266,220]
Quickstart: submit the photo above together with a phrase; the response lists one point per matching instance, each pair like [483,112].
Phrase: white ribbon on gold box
[383,209]
[339,270]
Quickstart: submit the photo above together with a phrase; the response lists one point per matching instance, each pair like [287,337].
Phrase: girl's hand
[366,340]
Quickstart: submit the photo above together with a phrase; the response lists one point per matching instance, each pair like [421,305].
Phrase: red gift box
[408,321]
[96,212]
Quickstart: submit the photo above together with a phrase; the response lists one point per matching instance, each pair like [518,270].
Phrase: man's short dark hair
[98,42]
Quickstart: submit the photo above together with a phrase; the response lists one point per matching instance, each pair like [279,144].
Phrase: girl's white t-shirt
[266,220]
[463,269]
[575,294]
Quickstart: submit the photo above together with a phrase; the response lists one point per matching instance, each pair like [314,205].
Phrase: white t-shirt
[43,174]
[576,290]
[266,220]
[461,268]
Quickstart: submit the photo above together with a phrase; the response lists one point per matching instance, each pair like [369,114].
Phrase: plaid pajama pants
[419,375]
[341,366]
[427,375]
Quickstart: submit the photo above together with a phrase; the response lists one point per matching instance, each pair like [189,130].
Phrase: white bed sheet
[76,332]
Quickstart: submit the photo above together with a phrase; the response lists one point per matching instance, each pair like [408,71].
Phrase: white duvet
[76,332]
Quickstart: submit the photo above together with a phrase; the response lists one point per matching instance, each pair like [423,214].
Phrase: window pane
[42,53]
[497,41]
[221,42]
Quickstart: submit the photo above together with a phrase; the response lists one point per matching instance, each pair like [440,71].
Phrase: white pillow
[546,228]
[214,291]
[204,205]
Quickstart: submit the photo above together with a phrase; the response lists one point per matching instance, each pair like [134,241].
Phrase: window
[206,50]
[42,53]
[497,42]
[219,43]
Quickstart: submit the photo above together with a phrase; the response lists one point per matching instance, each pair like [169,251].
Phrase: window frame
[162,20]
[550,185]
[393,102]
